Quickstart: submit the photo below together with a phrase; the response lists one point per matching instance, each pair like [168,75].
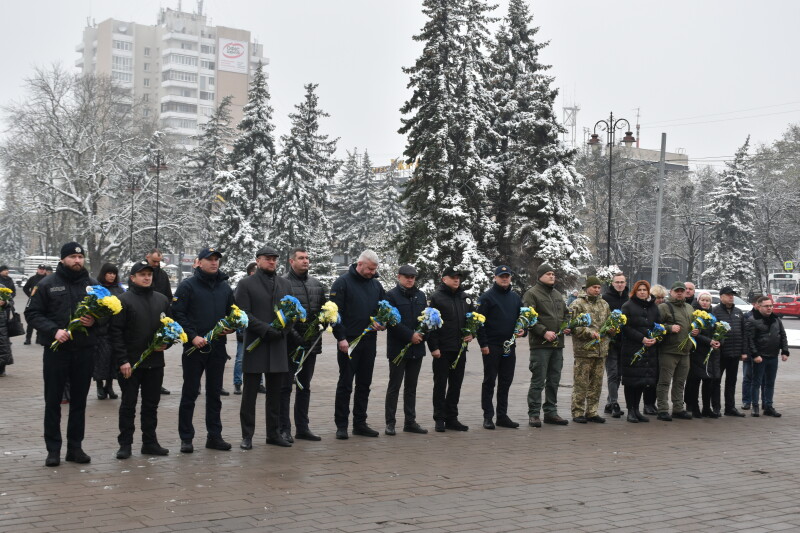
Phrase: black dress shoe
[415,428]
[608,408]
[77,455]
[746,406]
[262,389]
[616,412]
[440,426]
[640,417]
[455,425]
[27,342]
[341,434]
[580,419]
[390,430]
[755,411]
[306,435]
[101,392]
[664,416]
[708,413]
[650,409]
[488,424]
[223,392]
[770,411]
[154,448]
[696,413]
[555,420]
[111,394]
[278,440]
[217,443]
[597,419]
[632,417]
[682,415]
[53,459]
[505,422]
[535,422]
[733,412]
[247,443]
[237,389]
[164,391]
[186,446]
[287,436]
[124,451]
[365,431]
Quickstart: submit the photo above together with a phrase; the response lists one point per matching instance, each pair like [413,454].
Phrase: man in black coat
[445,343]
[500,305]
[734,347]
[258,295]
[28,290]
[767,339]
[130,334]
[410,302]
[312,296]
[200,302]
[160,282]
[357,294]
[616,295]
[49,310]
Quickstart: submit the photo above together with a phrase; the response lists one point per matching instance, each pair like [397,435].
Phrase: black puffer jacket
[54,301]
[200,302]
[410,303]
[357,298]
[614,298]
[161,283]
[501,307]
[767,336]
[453,306]
[641,316]
[312,296]
[132,330]
[31,283]
[735,344]
[698,369]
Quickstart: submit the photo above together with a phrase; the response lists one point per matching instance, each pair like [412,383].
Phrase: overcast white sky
[706,72]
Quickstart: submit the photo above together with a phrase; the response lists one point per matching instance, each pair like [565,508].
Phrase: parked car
[18,277]
[787,306]
[738,302]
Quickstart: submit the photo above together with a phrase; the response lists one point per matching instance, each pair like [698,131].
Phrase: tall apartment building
[180,68]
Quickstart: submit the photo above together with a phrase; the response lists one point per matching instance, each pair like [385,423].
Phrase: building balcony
[180,84]
[178,99]
[80,48]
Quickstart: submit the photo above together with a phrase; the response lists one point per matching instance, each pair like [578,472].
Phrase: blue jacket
[357,298]
[410,303]
[200,302]
[501,308]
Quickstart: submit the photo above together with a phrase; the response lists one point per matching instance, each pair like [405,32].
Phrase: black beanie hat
[72,248]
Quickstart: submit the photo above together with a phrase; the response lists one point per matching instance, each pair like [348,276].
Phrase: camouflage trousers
[587,385]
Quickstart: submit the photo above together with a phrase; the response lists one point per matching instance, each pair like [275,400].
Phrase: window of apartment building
[205,63]
[206,111]
[146,112]
[124,64]
[179,59]
[181,123]
[206,82]
[187,46]
[126,77]
[146,97]
[188,93]
[146,82]
[147,67]
[208,49]
[122,45]
[146,51]
[179,107]
[177,75]
[205,95]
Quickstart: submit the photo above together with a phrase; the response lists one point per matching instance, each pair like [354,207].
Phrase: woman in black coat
[641,312]
[699,372]
[105,366]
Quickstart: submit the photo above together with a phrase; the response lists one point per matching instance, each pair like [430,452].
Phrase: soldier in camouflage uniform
[589,362]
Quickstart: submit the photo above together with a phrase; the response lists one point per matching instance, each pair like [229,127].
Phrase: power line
[723,119]
[724,113]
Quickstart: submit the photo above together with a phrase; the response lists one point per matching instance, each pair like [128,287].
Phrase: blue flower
[98,291]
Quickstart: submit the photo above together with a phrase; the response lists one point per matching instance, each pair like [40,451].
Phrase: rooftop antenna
[200,7]
[570,123]
[637,126]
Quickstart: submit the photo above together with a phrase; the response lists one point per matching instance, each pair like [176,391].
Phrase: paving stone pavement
[722,475]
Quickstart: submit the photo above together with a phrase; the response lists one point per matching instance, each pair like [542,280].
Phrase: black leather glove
[274,334]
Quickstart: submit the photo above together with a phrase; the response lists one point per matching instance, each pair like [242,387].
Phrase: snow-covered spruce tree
[247,188]
[539,191]
[733,236]
[389,210]
[446,199]
[355,198]
[305,167]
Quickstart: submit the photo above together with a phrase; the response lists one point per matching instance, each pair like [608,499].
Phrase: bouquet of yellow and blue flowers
[721,329]
[236,319]
[474,322]
[328,315]
[610,328]
[527,318]
[702,319]
[387,315]
[583,320]
[169,333]
[5,294]
[658,333]
[429,320]
[98,302]
[287,312]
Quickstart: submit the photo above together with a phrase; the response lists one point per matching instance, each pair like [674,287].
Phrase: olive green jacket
[679,313]
[599,310]
[552,309]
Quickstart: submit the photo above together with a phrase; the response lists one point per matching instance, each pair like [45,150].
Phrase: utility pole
[659,206]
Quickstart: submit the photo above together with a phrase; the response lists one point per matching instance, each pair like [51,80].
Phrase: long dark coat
[641,316]
[253,297]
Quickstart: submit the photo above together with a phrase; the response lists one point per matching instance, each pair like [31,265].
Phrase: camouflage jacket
[599,310]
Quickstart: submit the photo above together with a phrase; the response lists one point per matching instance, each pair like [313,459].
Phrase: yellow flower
[623,319]
[184,338]
[6,290]
[112,303]
[166,320]
[235,311]
[479,317]
[330,312]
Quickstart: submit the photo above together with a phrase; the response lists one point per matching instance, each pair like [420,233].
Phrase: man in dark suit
[258,295]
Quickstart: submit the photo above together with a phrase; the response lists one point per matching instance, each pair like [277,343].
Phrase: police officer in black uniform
[49,310]
[200,302]
[130,334]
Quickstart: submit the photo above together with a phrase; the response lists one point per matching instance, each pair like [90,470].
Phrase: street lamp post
[159,166]
[610,126]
